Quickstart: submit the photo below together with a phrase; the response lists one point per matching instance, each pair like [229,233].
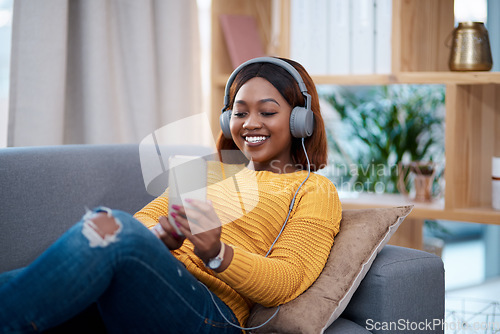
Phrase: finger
[195,237]
[198,221]
[183,225]
[193,214]
[200,205]
[181,222]
[167,227]
[204,221]
[186,230]
[158,231]
[165,224]
[200,228]
[179,209]
[207,210]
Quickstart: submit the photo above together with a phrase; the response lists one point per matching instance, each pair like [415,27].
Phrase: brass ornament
[470,50]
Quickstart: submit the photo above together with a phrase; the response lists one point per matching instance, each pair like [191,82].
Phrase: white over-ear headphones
[301,118]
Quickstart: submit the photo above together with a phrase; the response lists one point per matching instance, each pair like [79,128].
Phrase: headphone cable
[293,199]
[268,252]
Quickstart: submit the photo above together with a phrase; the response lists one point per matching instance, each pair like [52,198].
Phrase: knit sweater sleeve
[299,255]
[150,214]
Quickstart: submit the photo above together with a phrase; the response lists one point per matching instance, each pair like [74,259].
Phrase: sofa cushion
[393,287]
[363,233]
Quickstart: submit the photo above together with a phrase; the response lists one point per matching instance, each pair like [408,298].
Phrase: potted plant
[420,174]
[376,129]
[388,135]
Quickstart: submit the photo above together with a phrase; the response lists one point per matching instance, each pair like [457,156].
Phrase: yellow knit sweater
[252,207]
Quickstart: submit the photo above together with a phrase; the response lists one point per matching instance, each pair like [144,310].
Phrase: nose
[252,122]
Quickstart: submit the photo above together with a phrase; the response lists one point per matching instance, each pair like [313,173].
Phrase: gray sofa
[44,190]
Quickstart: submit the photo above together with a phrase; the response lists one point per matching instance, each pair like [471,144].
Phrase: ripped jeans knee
[100,227]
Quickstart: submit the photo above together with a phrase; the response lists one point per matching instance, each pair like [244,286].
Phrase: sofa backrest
[44,191]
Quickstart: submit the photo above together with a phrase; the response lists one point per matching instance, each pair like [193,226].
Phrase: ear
[301,122]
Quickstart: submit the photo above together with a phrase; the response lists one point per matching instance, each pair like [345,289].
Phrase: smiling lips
[253,140]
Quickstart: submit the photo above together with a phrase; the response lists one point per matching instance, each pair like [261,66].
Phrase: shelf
[432,210]
[459,78]
[466,78]
[369,200]
[346,80]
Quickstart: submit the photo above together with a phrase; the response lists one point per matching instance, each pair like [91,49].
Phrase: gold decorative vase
[470,50]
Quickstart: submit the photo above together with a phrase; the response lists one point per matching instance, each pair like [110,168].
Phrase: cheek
[282,126]
[234,127]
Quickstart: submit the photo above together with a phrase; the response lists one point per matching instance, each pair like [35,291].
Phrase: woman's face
[260,126]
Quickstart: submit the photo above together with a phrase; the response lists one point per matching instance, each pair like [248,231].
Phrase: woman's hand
[166,233]
[205,232]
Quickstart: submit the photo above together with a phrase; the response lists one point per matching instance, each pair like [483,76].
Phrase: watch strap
[219,258]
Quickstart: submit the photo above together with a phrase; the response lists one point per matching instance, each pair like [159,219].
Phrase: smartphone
[187,178]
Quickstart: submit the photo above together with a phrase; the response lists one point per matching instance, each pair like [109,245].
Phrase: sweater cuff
[239,270]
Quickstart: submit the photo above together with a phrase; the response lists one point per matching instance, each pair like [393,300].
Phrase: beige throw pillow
[363,233]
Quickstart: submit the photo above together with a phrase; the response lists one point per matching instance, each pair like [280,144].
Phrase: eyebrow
[260,101]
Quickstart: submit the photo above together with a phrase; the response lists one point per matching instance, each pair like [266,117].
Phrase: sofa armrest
[404,289]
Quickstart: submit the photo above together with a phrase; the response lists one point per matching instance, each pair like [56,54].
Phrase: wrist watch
[215,262]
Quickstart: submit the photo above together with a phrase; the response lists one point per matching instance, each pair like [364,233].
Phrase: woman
[267,253]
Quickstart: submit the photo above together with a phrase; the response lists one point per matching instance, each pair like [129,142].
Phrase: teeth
[255,139]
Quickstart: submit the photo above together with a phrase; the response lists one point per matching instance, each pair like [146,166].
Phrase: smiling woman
[266,234]
[260,126]
[263,96]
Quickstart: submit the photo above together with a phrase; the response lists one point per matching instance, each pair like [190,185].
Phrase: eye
[239,114]
[268,113]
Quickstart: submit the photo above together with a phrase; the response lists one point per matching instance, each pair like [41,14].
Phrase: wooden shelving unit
[420,29]
[453,78]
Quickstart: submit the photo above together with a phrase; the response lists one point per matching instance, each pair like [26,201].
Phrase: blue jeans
[137,284]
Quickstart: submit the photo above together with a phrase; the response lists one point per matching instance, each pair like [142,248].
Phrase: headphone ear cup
[301,122]
[224,120]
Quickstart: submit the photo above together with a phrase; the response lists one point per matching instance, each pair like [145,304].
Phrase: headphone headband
[276,61]
[301,118]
